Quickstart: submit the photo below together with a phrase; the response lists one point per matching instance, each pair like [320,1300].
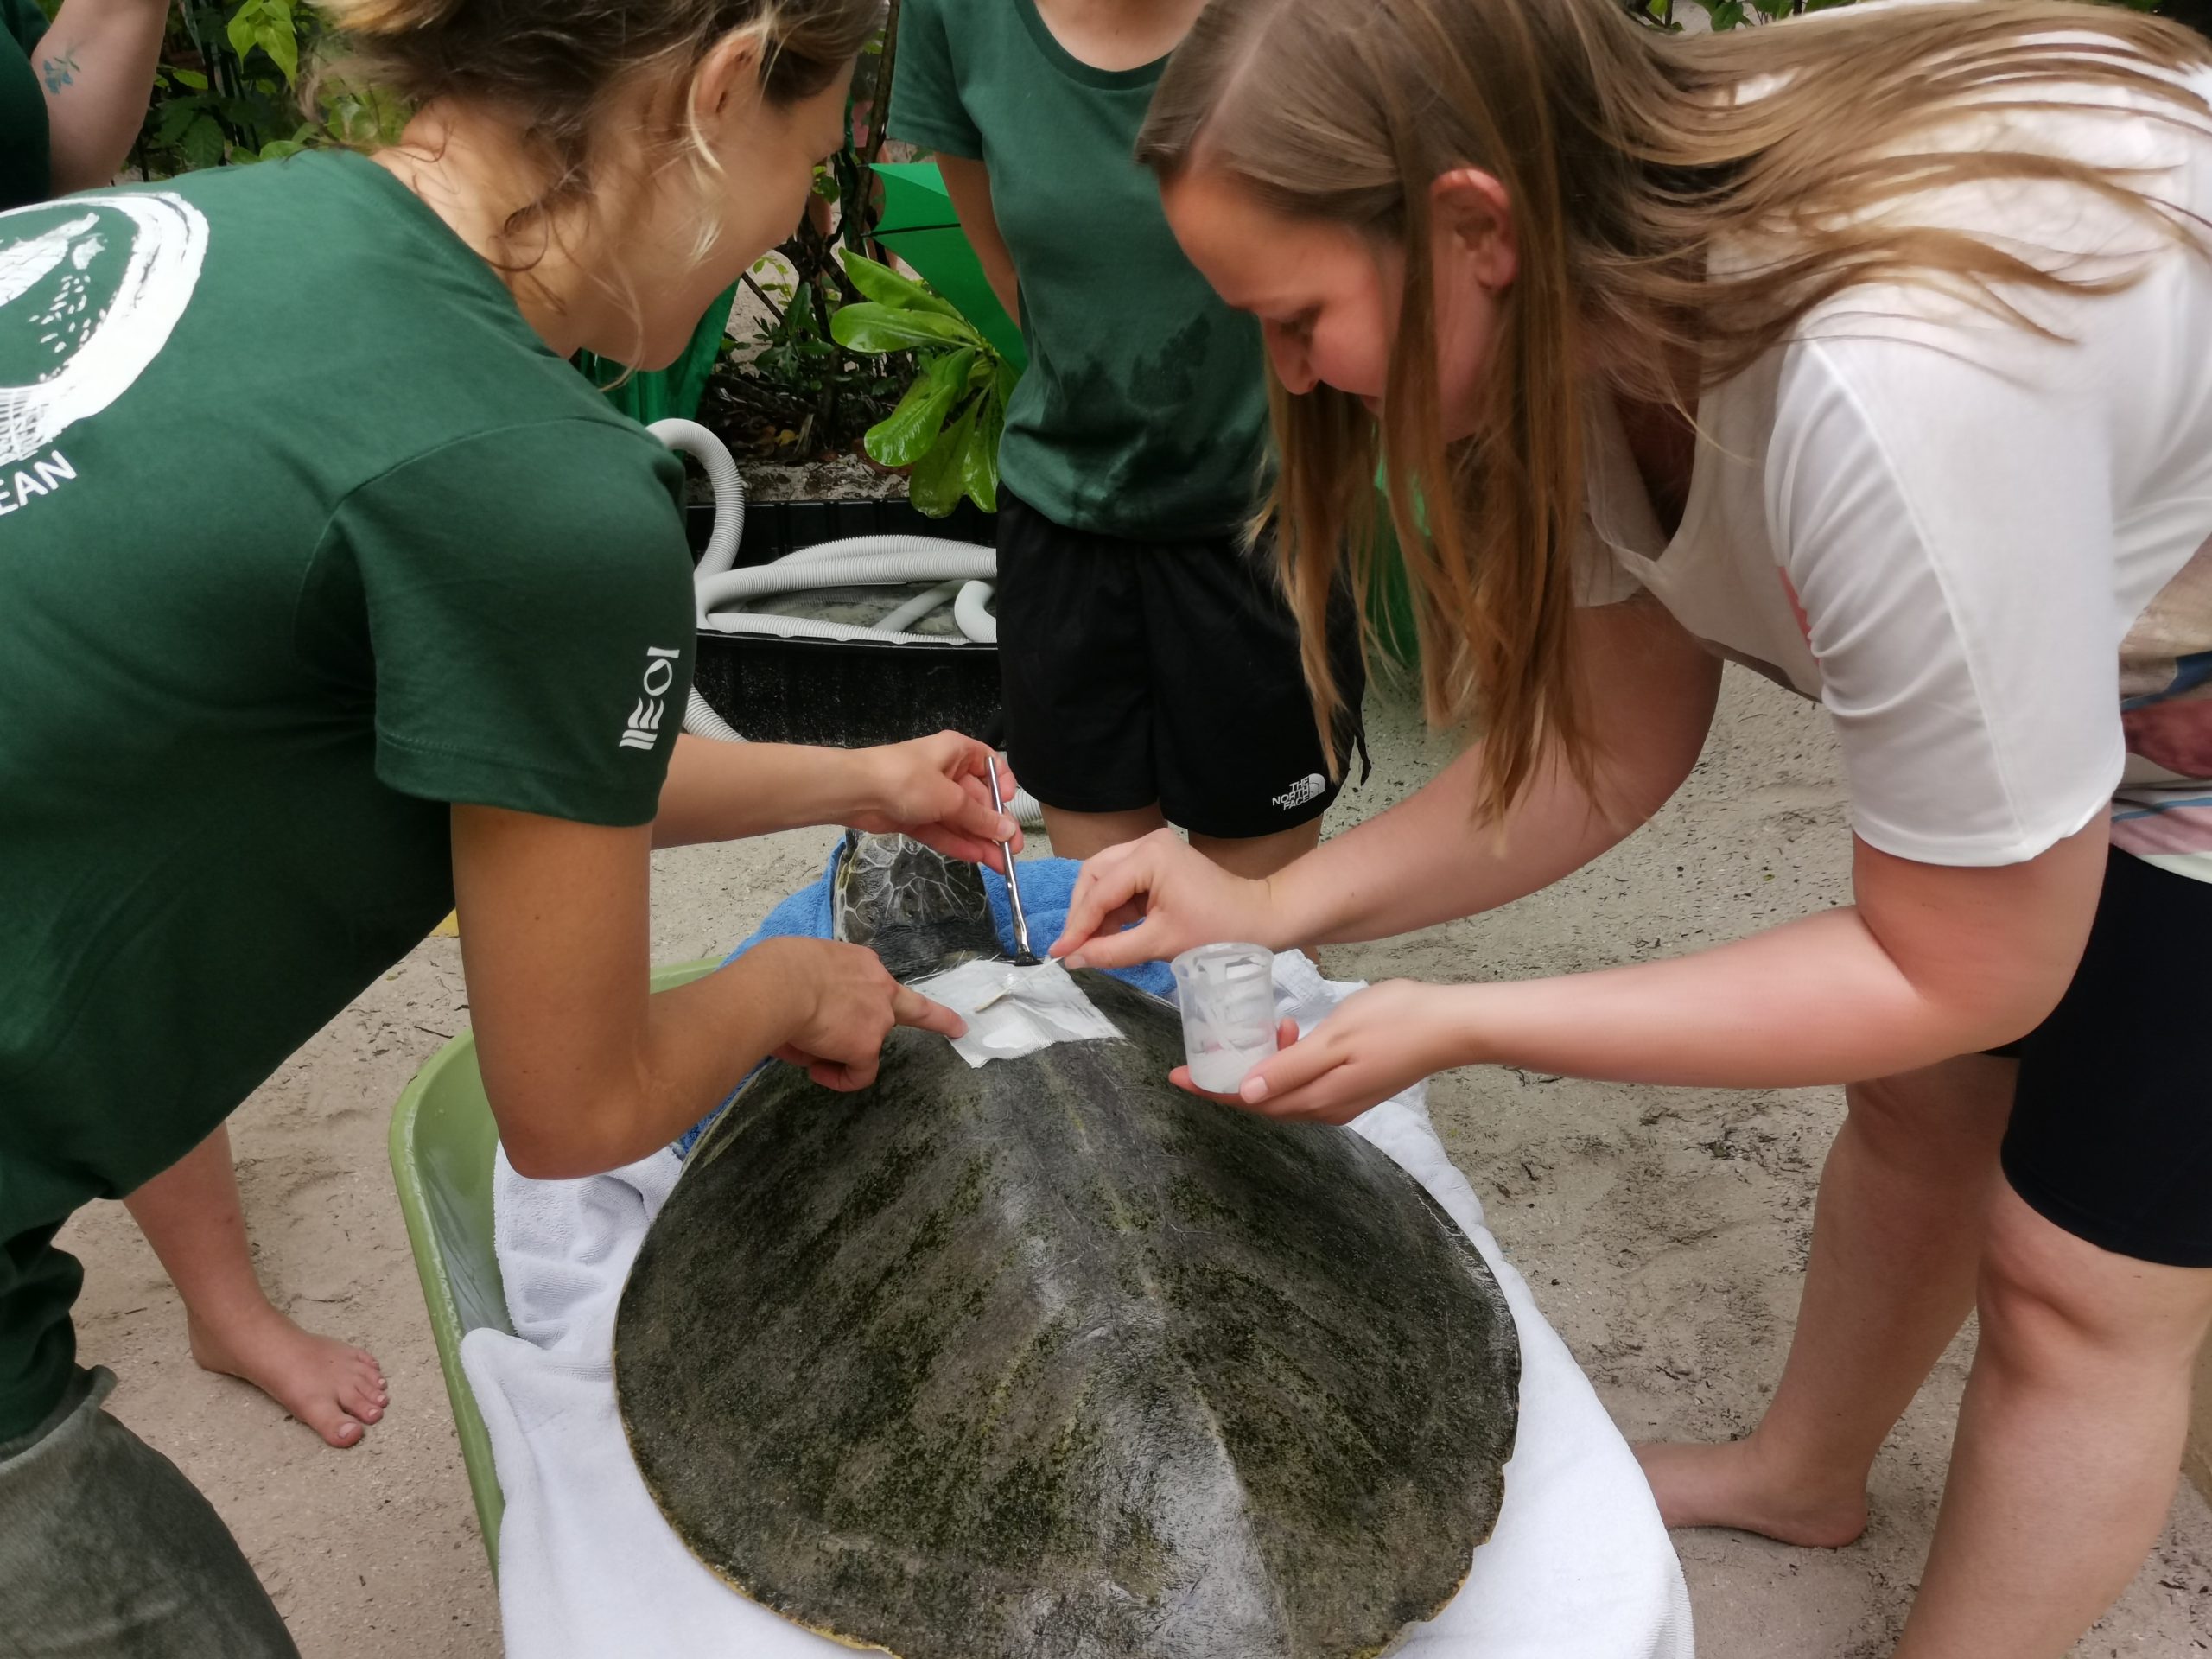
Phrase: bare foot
[1731,1486]
[335,1389]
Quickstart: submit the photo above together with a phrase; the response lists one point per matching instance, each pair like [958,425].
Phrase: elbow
[561,1140]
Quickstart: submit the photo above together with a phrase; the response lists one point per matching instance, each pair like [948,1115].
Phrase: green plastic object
[919,226]
[652,394]
[441,1142]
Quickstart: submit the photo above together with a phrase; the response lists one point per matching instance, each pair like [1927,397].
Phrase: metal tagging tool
[1023,955]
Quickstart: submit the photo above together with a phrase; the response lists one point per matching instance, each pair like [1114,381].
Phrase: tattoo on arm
[61,71]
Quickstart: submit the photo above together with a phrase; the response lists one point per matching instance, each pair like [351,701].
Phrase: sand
[1663,1231]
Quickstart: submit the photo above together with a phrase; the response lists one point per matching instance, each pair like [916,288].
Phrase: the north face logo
[1308,788]
[643,730]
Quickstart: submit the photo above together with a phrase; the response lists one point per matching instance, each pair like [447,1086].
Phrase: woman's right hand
[1183,898]
[843,1005]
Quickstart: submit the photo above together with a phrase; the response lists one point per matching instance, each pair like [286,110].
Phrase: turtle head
[918,909]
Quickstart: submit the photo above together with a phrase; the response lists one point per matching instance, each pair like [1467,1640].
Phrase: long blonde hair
[1627,155]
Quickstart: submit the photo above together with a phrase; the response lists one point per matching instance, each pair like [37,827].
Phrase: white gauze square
[1014,1011]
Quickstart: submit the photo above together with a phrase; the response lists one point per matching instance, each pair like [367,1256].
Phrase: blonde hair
[1626,154]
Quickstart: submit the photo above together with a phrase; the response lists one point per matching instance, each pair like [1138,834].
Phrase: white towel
[1578,1568]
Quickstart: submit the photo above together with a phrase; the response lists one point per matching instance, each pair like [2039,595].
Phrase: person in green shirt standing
[73,95]
[1151,668]
[332,597]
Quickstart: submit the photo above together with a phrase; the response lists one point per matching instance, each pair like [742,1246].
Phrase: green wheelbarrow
[442,1138]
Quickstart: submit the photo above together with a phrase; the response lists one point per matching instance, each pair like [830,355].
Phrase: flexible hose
[766,623]
[917,608]
[701,720]
[690,438]
[970,612]
[927,561]
[964,571]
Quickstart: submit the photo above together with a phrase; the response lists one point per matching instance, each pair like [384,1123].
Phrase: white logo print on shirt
[1307,788]
[90,289]
[644,729]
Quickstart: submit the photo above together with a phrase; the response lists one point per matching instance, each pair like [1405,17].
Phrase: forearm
[97,65]
[1818,1001]
[998,270]
[719,791]
[969,184]
[695,1045]
[1649,693]
[1427,859]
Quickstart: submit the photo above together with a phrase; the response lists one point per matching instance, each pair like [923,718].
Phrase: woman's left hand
[1375,1044]
[936,789]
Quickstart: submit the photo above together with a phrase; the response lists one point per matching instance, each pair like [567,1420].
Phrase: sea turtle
[1051,1360]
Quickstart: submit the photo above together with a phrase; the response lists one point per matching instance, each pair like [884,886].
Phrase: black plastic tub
[848,694]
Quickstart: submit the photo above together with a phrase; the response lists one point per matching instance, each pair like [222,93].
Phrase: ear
[1471,212]
[727,80]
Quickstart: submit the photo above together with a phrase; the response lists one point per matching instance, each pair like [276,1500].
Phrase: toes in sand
[332,1387]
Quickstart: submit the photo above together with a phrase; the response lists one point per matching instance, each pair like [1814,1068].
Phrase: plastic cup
[1227,993]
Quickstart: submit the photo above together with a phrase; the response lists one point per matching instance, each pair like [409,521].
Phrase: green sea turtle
[1051,1360]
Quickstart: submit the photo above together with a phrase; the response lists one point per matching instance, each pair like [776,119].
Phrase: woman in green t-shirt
[331,597]
[1151,669]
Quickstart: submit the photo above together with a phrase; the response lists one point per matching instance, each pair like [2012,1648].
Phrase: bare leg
[191,1216]
[1254,857]
[1084,835]
[2069,1441]
[1896,1239]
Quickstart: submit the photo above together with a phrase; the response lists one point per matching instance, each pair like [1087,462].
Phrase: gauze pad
[1014,1011]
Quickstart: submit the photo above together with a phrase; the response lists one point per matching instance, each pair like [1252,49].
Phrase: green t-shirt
[26,165]
[1144,408]
[304,535]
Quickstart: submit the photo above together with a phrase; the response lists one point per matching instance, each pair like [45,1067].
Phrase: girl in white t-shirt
[1874,351]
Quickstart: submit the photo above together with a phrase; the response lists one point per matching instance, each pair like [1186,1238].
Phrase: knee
[2049,1300]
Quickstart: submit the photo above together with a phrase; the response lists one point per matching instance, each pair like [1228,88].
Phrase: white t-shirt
[1988,553]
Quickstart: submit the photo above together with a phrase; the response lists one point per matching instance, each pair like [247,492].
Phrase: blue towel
[1047,884]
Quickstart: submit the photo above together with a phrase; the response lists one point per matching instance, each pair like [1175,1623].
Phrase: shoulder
[587,486]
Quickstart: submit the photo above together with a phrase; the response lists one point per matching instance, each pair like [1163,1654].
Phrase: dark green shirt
[26,167]
[1144,408]
[303,535]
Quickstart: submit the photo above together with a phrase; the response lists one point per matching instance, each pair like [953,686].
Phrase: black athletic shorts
[1136,672]
[2111,1134]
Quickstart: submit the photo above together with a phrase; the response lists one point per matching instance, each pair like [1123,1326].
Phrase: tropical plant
[947,427]
[228,90]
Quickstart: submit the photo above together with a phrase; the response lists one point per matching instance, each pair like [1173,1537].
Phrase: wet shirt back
[304,536]
[1143,411]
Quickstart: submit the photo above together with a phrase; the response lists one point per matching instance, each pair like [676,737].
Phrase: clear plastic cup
[1227,993]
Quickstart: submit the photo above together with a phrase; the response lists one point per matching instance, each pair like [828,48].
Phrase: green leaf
[191,78]
[936,483]
[283,44]
[1728,13]
[873,328]
[979,463]
[906,435]
[886,286]
[175,118]
[202,143]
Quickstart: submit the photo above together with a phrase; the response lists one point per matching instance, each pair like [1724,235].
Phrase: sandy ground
[1663,1231]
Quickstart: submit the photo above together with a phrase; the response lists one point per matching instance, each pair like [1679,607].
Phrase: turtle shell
[1051,1360]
